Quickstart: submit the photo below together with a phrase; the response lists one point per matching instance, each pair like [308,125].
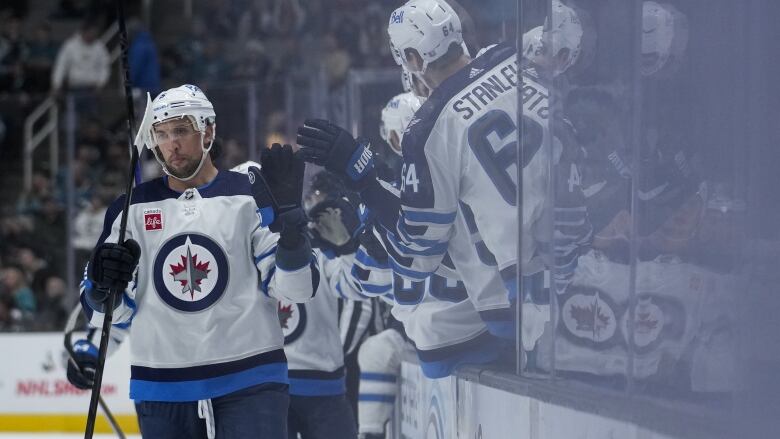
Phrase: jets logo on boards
[292,318]
[190,272]
[434,425]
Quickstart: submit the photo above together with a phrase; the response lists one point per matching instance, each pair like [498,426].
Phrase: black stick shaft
[109,311]
[69,328]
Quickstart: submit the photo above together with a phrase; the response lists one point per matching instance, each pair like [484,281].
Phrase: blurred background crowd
[49,49]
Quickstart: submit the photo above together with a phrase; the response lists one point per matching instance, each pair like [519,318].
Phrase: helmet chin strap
[200,164]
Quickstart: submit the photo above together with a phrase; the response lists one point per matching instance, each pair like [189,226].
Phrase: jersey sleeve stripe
[265,255]
[416,217]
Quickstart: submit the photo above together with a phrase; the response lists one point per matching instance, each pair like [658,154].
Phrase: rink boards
[461,407]
[35,395]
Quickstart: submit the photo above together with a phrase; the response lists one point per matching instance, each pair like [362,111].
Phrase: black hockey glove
[329,145]
[110,270]
[282,175]
[82,374]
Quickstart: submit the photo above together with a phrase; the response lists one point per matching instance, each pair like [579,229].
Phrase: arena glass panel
[676,170]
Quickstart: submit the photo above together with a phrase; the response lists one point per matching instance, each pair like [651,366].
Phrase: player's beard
[186,168]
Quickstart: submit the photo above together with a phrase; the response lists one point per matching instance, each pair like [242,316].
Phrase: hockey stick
[70,327]
[109,306]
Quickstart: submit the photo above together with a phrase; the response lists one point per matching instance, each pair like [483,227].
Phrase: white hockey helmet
[427,26]
[562,33]
[396,116]
[186,100]
[533,47]
[664,36]
[176,103]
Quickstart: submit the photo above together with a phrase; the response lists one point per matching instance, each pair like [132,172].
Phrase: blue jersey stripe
[376,289]
[437,218]
[265,255]
[373,397]
[195,390]
[384,377]
[208,370]
[407,272]
[315,387]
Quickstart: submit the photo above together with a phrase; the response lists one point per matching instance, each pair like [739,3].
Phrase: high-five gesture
[331,146]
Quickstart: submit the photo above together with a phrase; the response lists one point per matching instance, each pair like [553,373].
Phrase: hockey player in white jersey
[200,274]
[436,312]
[459,150]
[315,356]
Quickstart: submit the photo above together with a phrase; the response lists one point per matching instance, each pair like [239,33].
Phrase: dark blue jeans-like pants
[321,417]
[254,412]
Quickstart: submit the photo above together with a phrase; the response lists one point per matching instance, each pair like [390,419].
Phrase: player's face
[181,145]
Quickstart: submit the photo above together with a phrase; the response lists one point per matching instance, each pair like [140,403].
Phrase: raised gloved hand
[82,373]
[331,146]
[279,183]
[110,270]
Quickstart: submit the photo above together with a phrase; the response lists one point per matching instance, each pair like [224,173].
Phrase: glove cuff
[97,298]
[296,257]
[360,166]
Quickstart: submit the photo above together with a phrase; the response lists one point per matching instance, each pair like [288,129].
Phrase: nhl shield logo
[292,318]
[190,272]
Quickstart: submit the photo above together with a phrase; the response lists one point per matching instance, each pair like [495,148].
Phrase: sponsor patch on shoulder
[153,219]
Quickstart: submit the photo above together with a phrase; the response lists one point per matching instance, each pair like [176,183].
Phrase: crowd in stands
[224,43]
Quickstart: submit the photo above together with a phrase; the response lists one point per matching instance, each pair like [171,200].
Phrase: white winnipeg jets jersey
[312,339]
[436,312]
[203,304]
[460,148]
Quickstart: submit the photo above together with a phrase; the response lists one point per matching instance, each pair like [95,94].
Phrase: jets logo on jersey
[190,272]
[656,318]
[292,318]
[589,318]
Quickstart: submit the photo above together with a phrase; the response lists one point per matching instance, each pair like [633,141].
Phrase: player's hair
[454,52]
[327,183]
[216,149]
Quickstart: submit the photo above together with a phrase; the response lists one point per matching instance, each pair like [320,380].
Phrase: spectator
[87,227]
[254,66]
[13,52]
[6,307]
[49,226]
[31,202]
[142,57]
[35,270]
[337,63]
[83,61]
[54,308]
[373,42]
[42,53]
[17,289]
